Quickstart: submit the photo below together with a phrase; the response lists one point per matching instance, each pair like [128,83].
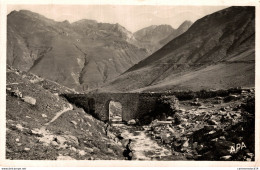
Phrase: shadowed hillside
[81,55]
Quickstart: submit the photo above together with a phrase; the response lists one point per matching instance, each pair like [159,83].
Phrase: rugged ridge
[180,30]
[81,55]
[156,36]
[219,47]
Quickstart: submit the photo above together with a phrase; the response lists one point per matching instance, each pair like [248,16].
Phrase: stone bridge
[134,105]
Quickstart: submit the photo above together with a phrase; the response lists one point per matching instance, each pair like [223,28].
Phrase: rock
[169,118]
[202,107]
[17,140]
[8,150]
[157,136]
[222,138]
[209,128]
[17,93]
[19,126]
[195,145]
[71,139]
[226,158]
[214,140]
[82,153]
[29,100]
[27,149]
[212,132]
[44,115]
[60,139]
[131,122]
[230,98]
[73,149]
[212,122]
[8,89]
[195,104]
[89,150]
[186,144]
[95,149]
[110,151]
[251,155]
[189,156]
[91,158]
[73,122]
[248,159]
[54,143]
[219,98]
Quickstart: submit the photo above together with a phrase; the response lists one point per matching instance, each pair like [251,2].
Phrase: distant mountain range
[81,55]
[216,52]
[156,36]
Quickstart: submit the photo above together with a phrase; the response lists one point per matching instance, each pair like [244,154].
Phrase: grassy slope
[218,51]
[219,76]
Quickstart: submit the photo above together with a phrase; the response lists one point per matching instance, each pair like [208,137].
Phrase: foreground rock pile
[220,128]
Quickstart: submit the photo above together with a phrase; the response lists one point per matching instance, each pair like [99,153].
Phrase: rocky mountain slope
[81,55]
[180,30]
[217,51]
[42,125]
[156,36]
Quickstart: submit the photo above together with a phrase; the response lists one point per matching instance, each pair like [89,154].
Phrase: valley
[88,90]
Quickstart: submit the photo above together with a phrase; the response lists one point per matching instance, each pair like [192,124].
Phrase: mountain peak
[85,21]
[211,49]
[185,25]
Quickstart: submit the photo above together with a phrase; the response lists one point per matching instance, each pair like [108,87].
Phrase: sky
[132,17]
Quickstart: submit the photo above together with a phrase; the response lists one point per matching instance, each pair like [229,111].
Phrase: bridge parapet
[134,105]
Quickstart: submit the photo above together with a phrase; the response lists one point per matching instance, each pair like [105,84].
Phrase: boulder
[29,100]
[131,122]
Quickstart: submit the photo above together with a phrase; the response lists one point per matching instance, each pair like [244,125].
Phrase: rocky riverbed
[220,128]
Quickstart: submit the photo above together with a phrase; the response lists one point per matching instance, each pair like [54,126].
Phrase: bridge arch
[115,111]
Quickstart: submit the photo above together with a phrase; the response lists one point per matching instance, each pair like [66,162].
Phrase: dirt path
[58,114]
[144,148]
